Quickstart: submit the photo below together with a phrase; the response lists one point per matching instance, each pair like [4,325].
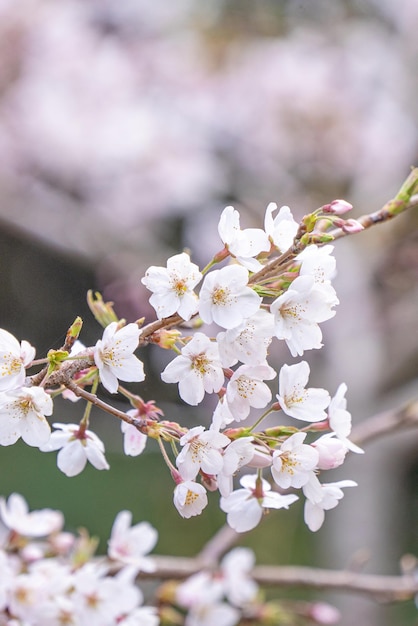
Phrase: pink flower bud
[351,226]
[323,613]
[331,452]
[337,207]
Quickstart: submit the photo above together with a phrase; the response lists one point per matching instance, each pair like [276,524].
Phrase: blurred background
[125,129]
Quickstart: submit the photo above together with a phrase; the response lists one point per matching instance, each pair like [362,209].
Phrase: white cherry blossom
[248,342]
[281,229]
[201,451]
[76,446]
[340,419]
[299,310]
[225,297]
[212,614]
[22,414]
[244,507]
[129,544]
[297,401]
[16,516]
[317,262]
[134,441]
[114,356]
[237,454]
[190,498]
[321,498]
[331,451]
[236,566]
[173,286]
[197,369]
[242,244]
[246,389]
[14,358]
[294,462]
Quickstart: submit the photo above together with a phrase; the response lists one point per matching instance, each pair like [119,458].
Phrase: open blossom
[201,451]
[321,498]
[197,369]
[299,310]
[297,401]
[190,498]
[340,419]
[114,356]
[247,342]
[244,507]
[225,297]
[22,414]
[319,263]
[237,454]
[16,516]
[242,244]
[14,357]
[173,286]
[129,544]
[76,447]
[246,389]
[294,462]
[281,229]
[236,566]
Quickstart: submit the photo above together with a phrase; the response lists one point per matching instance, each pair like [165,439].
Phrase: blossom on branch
[340,419]
[225,297]
[296,401]
[242,244]
[321,498]
[244,507]
[173,286]
[114,356]
[197,369]
[22,414]
[247,342]
[201,451]
[16,516]
[76,446]
[299,310]
[246,389]
[190,498]
[294,462]
[14,358]
[281,229]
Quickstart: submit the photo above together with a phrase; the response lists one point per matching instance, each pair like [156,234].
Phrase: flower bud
[337,207]
[323,613]
[331,452]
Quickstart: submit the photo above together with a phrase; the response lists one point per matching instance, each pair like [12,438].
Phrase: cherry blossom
[237,454]
[190,498]
[113,355]
[340,419]
[239,587]
[129,544]
[246,389]
[321,498]
[22,414]
[173,286]
[244,507]
[201,451]
[134,441]
[293,462]
[225,297]
[14,358]
[319,263]
[248,342]
[281,229]
[296,401]
[16,516]
[197,369]
[212,614]
[242,244]
[76,446]
[331,451]
[299,310]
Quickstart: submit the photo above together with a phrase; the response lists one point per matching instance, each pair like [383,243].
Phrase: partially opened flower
[190,498]
[340,419]
[76,446]
[242,244]
[282,228]
[114,356]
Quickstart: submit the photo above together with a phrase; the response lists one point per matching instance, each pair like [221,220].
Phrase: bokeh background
[125,128]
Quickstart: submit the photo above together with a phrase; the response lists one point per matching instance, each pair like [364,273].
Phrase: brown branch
[386,423]
[379,588]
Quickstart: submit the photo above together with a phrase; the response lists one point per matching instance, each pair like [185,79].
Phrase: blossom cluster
[274,283]
[49,576]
